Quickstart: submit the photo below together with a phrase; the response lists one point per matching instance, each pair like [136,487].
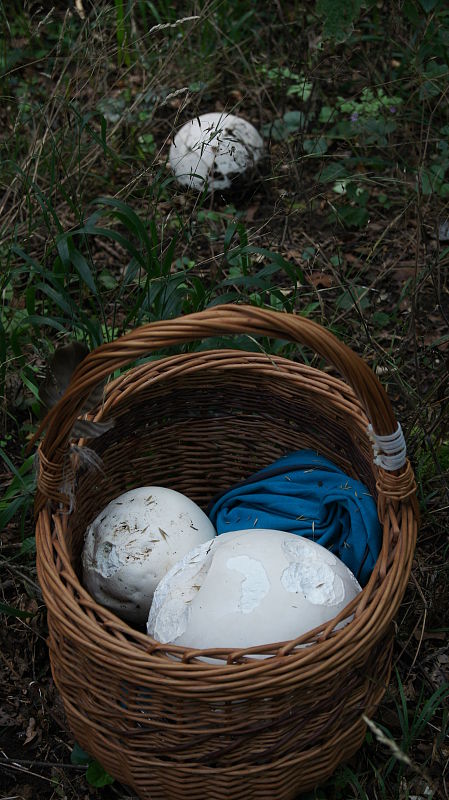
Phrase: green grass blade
[10,611]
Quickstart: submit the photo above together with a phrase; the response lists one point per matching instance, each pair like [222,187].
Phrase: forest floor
[346,222]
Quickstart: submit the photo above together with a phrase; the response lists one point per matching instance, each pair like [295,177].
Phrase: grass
[346,226]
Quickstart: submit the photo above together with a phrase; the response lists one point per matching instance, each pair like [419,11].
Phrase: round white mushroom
[134,541]
[213,149]
[248,588]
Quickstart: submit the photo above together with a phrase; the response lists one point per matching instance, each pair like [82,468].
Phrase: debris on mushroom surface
[213,149]
[249,588]
[134,541]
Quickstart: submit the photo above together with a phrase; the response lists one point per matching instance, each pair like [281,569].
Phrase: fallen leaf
[351,258]
[251,212]
[402,274]
[431,635]
[320,279]
[31,731]
[23,791]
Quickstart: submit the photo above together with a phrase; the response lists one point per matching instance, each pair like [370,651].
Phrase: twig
[9,665]
[387,229]
[19,768]
[21,574]
[24,761]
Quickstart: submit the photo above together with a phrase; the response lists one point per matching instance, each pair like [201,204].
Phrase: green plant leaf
[428,5]
[82,267]
[21,472]
[316,146]
[294,119]
[97,776]
[281,129]
[302,90]
[28,546]
[339,17]
[63,302]
[381,319]
[332,172]
[326,113]
[10,611]
[34,389]
[9,509]
[259,279]
[129,217]
[79,756]
[109,233]
[352,216]
[354,295]
[51,322]
[107,280]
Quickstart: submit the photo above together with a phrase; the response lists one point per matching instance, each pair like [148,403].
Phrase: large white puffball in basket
[213,149]
[134,541]
[247,588]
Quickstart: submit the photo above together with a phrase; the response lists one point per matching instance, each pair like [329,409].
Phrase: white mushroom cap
[213,149]
[134,541]
[248,588]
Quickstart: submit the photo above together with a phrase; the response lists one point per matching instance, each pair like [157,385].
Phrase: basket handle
[218,320]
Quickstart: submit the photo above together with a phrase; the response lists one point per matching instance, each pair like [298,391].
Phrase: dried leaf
[59,372]
[60,369]
[320,279]
[31,731]
[83,428]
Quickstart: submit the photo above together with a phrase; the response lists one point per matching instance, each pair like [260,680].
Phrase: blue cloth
[306,494]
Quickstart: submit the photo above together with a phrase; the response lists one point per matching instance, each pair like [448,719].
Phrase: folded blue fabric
[307,494]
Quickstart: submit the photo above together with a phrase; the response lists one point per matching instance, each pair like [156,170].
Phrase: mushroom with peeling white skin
[249,588]
[213,150]
[134,541]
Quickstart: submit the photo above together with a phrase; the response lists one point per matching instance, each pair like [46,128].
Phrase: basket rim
[217,320]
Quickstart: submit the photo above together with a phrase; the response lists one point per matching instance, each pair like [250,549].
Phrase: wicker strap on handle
[219,320]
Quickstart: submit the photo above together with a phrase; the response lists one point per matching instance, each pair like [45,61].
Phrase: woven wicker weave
[158,718]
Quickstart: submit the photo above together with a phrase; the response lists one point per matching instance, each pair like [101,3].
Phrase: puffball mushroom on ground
[133,543]
[247,588]
[214,149]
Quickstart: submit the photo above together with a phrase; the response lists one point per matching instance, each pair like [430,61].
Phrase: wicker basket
[156,716]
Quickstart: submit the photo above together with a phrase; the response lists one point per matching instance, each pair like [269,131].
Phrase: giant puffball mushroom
[248,588]
[214,149]
[134,541]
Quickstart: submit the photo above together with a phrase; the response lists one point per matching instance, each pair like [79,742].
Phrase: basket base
[284,779]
